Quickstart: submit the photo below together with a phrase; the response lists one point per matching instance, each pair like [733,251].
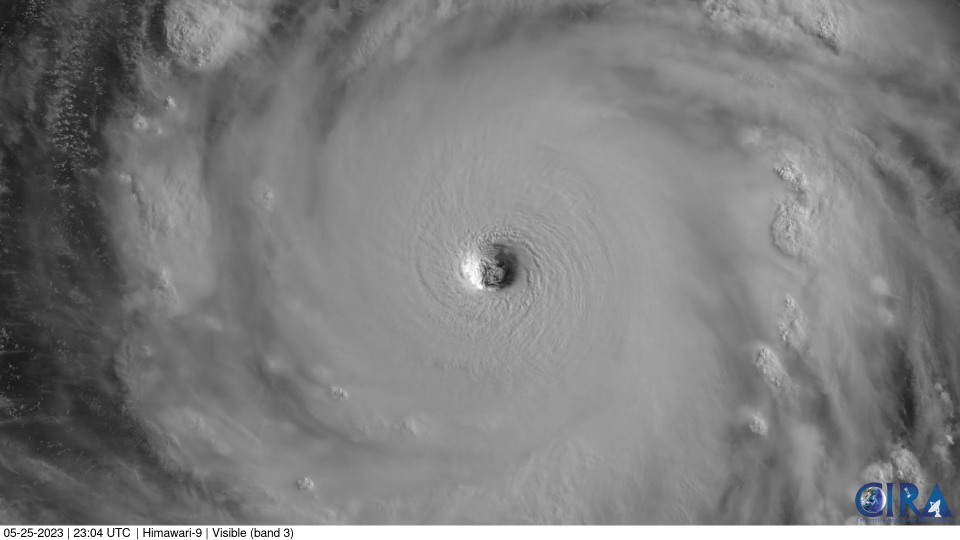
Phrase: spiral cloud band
[535,262]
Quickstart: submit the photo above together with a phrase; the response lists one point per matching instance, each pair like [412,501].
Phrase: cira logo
[871,501]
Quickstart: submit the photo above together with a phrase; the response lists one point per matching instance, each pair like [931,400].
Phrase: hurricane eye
[492,267]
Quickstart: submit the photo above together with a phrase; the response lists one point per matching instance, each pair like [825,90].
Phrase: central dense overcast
[476,262]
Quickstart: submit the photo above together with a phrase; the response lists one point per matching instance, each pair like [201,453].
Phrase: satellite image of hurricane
[478,261]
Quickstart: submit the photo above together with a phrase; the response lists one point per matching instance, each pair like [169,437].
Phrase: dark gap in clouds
[949,203]
[156,30]
[290,16]
[896,190]
[729,511]
[937,328]
[905,394]
[219,118]
[920,154]
[583,10]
